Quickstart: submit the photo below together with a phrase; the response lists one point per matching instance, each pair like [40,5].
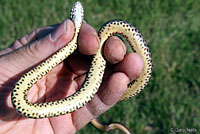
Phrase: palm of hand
[59,83]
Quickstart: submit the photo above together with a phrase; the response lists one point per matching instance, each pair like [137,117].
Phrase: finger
[30,55]
[5,51]
[37,34]
[131,65]
[29,38]
[108,95]
[114,50]
[33,36]
[88,40]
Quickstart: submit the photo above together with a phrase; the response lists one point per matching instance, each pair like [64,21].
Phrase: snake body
[94,75]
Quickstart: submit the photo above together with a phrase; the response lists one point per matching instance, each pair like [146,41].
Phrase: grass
[172,30]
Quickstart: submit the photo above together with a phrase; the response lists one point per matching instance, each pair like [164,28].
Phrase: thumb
[34,53]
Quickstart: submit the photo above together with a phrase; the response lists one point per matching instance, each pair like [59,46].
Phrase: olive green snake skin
[94,75]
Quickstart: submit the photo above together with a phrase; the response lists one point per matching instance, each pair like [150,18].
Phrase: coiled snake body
[94,76]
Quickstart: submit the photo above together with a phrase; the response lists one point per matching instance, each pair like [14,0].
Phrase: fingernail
[121,43]
[60,30]
[84,21]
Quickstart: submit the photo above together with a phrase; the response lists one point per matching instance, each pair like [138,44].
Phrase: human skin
[64,79]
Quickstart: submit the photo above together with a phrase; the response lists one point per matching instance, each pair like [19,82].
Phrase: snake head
[77,14]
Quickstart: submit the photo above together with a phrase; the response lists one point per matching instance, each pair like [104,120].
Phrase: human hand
[64,79]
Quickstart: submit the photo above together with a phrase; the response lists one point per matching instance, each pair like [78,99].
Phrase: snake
[94,75]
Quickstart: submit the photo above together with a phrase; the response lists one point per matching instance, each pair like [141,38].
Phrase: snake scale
[94,75]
